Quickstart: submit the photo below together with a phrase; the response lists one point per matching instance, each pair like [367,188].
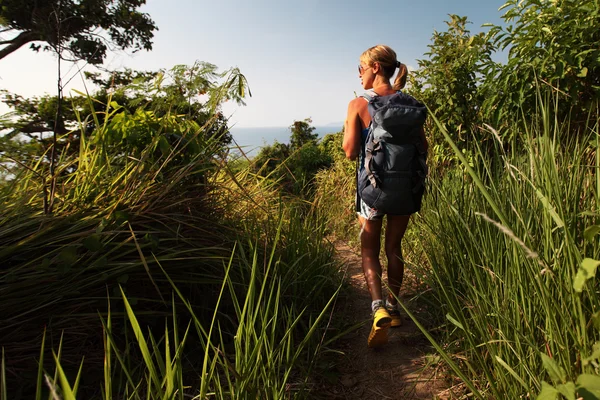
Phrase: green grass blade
[512,372]
[65,387]
[3,388]
[57,361]
[77,378]
[143,345]
[40,375]
[205,376]
[107,370]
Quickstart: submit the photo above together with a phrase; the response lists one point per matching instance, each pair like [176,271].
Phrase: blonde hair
[386,57]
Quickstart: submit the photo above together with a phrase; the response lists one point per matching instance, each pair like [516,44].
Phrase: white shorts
[363,210]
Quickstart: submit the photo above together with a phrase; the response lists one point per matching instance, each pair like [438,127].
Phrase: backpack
[393,178]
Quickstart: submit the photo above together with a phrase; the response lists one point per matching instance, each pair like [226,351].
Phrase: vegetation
[294,166]
[450,82]
[335,191]
[549,42]
[507,237]
[166,269]
[73,26]
[506,244]
[147,211]
[178,92]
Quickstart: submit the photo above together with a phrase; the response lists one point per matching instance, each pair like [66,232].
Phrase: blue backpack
[393,178]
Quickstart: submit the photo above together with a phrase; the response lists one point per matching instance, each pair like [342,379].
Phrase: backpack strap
[370,144]
[370,147]
[369,95]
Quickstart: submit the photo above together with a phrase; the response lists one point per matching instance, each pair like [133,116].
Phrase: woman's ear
[376,67]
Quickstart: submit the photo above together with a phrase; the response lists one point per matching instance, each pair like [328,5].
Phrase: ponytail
[400,81]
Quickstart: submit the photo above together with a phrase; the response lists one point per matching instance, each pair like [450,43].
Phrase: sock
[375,304]
[391,306]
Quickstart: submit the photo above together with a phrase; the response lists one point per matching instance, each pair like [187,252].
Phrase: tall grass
[504,236]
[335,191]
[259,361]
[149,221]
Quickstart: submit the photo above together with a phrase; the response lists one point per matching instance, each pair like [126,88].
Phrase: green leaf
[560,70]
[163,145]
[143,344]
[44,265]
[512,372]
[68,256]
[100,262]
[586,271]
[67,392]
[567,390]
[555,371]
[588,386]
[93,243]
[585,52]
[595,354]
[550,209]
[590,232]
[455,322]
[548,392]
[121,216]
[583,73]
[596,320]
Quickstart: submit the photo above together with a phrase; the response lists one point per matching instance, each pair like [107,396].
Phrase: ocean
[252,139]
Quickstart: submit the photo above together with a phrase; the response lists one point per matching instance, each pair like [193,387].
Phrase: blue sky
[300,58]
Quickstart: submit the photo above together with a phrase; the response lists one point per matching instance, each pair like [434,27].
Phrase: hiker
[377,66]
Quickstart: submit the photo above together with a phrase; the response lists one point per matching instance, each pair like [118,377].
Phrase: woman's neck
[382,88]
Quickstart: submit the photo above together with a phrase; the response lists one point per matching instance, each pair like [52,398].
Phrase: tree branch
[35,128]
[17,42]
[28,129]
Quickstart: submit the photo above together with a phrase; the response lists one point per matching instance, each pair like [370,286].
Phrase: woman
[377,66]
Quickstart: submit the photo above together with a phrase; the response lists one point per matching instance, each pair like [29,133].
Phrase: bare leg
[370,247]
[395,229]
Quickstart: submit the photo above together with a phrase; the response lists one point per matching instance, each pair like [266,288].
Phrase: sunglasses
[362,69]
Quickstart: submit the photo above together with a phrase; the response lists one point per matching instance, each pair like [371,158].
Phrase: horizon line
[330,125]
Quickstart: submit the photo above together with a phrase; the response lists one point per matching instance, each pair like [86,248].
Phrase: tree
[196,91]
[449,80]
[270,158]
[552,46]
[295,165]
[84,28]
[302,133]
[193,93]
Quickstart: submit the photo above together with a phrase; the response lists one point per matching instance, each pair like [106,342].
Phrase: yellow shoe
[379,330]
[396,317]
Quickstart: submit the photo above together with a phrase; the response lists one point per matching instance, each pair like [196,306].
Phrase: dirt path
[403,369]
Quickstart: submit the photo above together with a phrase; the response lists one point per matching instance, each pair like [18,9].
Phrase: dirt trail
[399,370]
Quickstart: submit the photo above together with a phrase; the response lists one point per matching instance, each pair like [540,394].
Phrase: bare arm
[352,131]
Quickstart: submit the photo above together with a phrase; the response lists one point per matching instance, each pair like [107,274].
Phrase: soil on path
[405,368]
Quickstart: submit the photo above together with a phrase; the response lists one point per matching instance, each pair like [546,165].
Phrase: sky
[300,57]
